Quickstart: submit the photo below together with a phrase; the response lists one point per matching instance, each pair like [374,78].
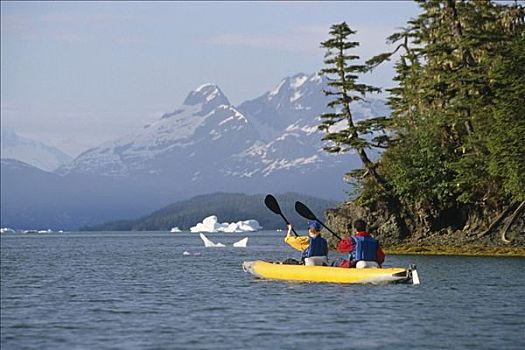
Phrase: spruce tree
[342,73]
[506,140]
[457,119]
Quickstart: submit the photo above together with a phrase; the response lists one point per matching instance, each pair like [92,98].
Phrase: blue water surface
[107,290]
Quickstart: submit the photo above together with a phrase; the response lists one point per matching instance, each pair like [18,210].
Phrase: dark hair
[359,225]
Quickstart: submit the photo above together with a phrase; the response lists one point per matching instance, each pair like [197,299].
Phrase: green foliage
[458,113]
[506,139]
[342,73]
[421,176]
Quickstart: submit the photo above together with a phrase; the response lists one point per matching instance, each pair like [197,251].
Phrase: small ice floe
[7,230]
[208,243]
[188,253]
[45,231]
[242,243]
[30,231]
[211,224]
[175,229]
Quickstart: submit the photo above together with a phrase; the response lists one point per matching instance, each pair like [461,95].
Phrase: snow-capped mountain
[204,131]
[31,152]
[300,99]
[270,144]
[287,118]
[207,140]
[294,98]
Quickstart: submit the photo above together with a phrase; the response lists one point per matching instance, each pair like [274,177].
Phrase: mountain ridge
[205,145]
[274,135]
[32,152]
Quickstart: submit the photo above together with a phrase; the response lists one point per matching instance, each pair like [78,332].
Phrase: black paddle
[308,214]
[272,204]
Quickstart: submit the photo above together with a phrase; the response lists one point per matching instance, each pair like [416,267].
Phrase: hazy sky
[75,74]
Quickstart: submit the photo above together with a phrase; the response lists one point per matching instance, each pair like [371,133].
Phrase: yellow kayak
[278,271]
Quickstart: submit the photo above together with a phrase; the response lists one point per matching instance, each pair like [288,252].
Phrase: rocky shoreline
[465,250]
[479,238]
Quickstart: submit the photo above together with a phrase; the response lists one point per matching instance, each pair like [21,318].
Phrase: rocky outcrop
[384,226]
[457,227]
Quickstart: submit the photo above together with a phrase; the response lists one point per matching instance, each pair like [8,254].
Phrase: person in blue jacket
[313,246]
[364,250]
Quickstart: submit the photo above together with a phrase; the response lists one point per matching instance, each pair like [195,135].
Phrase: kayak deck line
[329,274]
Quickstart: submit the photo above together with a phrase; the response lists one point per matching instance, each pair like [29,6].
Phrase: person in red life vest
[364,250]
[313,246]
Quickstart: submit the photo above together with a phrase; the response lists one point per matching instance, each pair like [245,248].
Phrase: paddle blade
[304,211]
[271,203]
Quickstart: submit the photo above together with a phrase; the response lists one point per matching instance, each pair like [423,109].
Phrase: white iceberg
[242,243]
[211,224]
[208,243]
[7,230]
[245,226]
[175,229]
[188,253]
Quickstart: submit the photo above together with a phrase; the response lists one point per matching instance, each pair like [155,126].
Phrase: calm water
[138,291]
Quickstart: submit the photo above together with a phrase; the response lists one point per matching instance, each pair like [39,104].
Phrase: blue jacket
[317,247]
[364,248]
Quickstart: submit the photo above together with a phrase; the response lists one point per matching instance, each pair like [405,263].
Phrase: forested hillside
[454,155]
[228,207]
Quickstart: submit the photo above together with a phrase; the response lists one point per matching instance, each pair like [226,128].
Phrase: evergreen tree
[506,140]
[457,112]
[342,73]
